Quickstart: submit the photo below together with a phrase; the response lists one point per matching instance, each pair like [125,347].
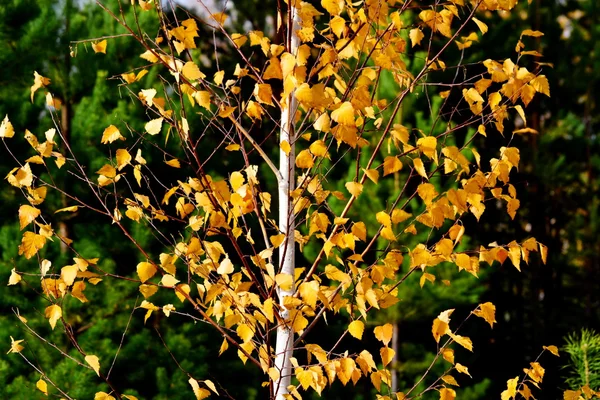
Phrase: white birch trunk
[285,335]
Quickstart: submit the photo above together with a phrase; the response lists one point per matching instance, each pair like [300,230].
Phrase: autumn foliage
[298,124]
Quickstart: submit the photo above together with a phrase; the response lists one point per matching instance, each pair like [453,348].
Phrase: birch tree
[265,251]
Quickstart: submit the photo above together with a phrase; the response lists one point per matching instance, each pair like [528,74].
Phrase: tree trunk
[285,335]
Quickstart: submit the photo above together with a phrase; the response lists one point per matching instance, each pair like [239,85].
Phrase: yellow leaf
[103,396]
[263,93]
[145,271]
[111,134]
[487,311]
[199,392]
[31,244]
[416,35]
[6,128]
[384,333]
[529,32]
[304,159]
[552,349]
[191,72]
[391,164]
[27,214]
[245,332]
[418,163]
[15,346]
[387,355]
[511,389]
[218,77]
[211,386]
[42,386]
[354,188]
[148,290]
[427,192]
[93,362]
[428,145]
[285,146]
[168,280]
[372,174]
[482,26]
[277,240]
[53,313]
[38,82]
[284,281]
[356,329]
[69,273]
[543,252]
[225,267]
[462,340]
[400,216]
[333,7]
[318,148]
[99,47]
[14,277]
[344,114]
[173,163]
[540,84]
[448,355]
[447,394]
[462,369]
[323,123]
[154,126]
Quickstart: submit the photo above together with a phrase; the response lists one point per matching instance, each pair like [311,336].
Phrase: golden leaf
[38,82]
[145,271]
[103,396]
[111,134]
[356,329]
[529,32]
[27,214]
[354,188]
[191,72]
[447,394]
[384,333]
[42,386]
[511,390]
[304,160]
[462,340]
[481,25]
[6,128]
[285,147]
[245,332]
[391,164]
[387,355]
[284,281]
[99,47]
[154,126]
[218,77]
[418,163]
[53,313]
[416,35]
[344,114]
[173,163]
[15,346]
[552,349]
[93,362]
[318,148]
[263,93]
[428,146]
[487,311]
[31,244]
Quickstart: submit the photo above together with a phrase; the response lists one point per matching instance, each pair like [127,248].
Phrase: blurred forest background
[558,185]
